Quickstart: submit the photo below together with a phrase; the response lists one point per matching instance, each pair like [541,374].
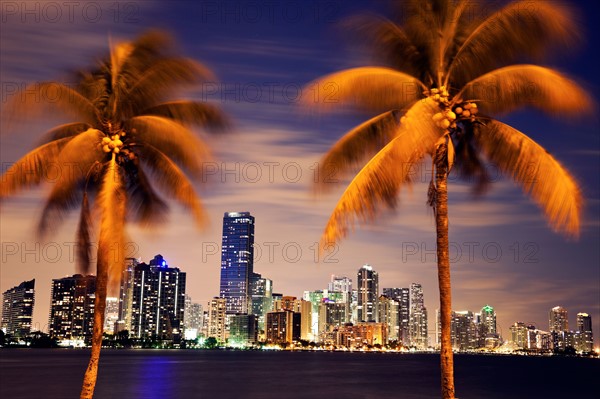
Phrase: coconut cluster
[440,95]
[112,144]
[447,118]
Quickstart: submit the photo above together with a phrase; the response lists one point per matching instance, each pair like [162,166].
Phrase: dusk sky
[264,54]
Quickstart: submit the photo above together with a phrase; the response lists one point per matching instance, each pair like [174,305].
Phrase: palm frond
[155,83]
[50,98]
[373,88]
[84,242]
[171,138]
[172,181]
[190,113]
[111,203]
[75,163]
[509,88]
[63,131]
[32,169]
[521,28]
[144,205]
[391,43]
[540,176]
[355,146]
[378,183]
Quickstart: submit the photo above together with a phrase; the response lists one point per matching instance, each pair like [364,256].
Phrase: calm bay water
[149,374]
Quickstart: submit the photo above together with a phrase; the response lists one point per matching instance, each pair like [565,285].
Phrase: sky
[265,53]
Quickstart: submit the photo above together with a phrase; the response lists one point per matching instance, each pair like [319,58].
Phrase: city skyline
[71,314]
[503,252]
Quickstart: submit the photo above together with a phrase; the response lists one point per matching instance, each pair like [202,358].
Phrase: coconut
[466,113]
[111,145]
[436,97]
[451,115]
[118,143]
[105,148]
[474,111]
[434,91]
[105,140]
[458,110]
[116,150]
[438,117]
[445,124]
[468,105]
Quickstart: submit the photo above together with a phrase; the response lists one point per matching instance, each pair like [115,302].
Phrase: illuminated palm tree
[450,74]
[125,139]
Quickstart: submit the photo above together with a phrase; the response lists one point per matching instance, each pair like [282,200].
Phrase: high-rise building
[487,320]
[243,329]
[72,308]
[261,290]
[340,284]
[192,319]
[111,314]
[584,338]
[518,332]
[368,293]
[283,327]
[158,304]
[418,317]
[237,261]
[558,319]
[216,319]
[463,333]
[331,314]
[17,309]
[126,293]
[402,297]
[388,315]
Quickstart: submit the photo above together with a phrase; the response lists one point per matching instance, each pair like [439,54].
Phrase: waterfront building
[368,294]
[72,308]
[418,318]
[111,315]
[216,319]
[584,338]
[237,262]
[17,309]
[126,294]
[388,315]
[158,303]
[192,319]
[283,327]
[402,297]
[243,330]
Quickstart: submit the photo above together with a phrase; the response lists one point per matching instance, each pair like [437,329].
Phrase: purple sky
[504,255]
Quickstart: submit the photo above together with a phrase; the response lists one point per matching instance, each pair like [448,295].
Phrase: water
[149,374]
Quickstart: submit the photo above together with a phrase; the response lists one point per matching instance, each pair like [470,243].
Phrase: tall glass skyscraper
[237,261]
[368,293]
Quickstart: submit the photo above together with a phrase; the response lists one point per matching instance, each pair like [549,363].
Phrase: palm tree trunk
[441,221]
[91,373]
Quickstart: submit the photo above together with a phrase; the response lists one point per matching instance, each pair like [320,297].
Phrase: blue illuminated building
[237,261]
[158,301]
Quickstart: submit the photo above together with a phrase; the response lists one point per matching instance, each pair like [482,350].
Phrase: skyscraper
[487,320]
[237,261]
[192,320]
[126,293]
[216,319]
[158,303]
[261,291]
[72,307]
[418,317]
[368,293]
[584,338]
[17,309]
[388,315]
[111,314]
[402,296]
[340,284]
[558,319]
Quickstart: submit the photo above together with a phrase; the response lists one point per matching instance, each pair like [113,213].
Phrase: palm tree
[449,75]
[126,138]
